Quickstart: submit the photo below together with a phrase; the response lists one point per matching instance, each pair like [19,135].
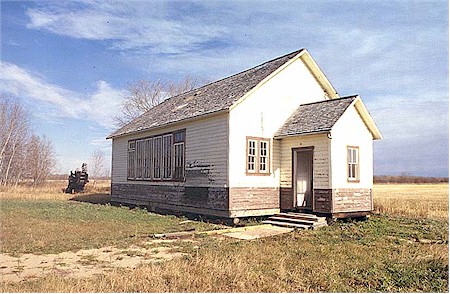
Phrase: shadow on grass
[101,198]
[105,198]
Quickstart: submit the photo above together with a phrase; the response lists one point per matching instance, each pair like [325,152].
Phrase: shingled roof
[213,97]
[315,117]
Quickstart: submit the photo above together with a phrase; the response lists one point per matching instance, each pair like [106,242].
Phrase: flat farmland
[428,201]
[403,247]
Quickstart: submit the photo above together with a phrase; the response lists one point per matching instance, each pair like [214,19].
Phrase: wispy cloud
[126,25]
[393,53]
[100,106]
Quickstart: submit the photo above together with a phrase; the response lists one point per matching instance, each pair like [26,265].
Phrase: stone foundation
[202,200]
[351,200]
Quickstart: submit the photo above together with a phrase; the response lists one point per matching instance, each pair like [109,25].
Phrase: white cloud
[58,102]
[104,104]
[125,25]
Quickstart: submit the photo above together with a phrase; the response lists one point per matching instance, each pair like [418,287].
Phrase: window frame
[353,160]
[131,160]
[257,156]
[166,150]
[179,158]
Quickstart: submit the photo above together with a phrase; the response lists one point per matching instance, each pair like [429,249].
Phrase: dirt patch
[84,263]
[257,232]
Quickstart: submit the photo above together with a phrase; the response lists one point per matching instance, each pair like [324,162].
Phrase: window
[131,160]
[178,159]
[157,158]
[178,155]
[251,167]
[263,145]
[167,156]
[157,154]
[257,156]
[148,158]
[139,158]
[353,163]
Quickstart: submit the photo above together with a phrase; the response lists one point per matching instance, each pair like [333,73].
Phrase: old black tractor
[77,180]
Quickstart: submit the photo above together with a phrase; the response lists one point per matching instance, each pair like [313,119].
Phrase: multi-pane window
[353,163]
[148,158]
[157,158]
[257,156]
[157,154]
[178,155]
[139,158]
[251,156]
[178,172]
[167,156]
[131,160]
[263,145]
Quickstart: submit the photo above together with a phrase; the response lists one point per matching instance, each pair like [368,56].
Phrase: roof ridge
[211,97]
[217,81]
[329,100]
[238,73]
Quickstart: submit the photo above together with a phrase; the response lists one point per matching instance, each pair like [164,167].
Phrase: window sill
[353,181]
[257,174]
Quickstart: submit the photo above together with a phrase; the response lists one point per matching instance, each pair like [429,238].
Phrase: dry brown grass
[404,253]
[429,201]
[51,190]
[348,257]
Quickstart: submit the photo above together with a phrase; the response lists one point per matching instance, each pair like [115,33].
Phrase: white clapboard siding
[263,112]
[321,163]
[350,130]
[207,150]
[119,160]
[206,146]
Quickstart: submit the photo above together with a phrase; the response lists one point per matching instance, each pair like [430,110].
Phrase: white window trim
[353,161]
[257,156]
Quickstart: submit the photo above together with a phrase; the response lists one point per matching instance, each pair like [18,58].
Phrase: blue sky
[70,62]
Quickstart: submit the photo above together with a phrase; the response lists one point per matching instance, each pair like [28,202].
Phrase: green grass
[53,226]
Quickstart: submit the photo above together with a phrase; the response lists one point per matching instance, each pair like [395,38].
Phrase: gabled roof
[317,117]
[217,96]
[320,117]
[213,97]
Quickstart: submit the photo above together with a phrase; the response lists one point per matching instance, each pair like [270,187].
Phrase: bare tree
[145,94]
[22,154]
[41,159]
[14,134]
[98,165]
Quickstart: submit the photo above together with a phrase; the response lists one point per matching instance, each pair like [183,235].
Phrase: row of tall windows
[157,158]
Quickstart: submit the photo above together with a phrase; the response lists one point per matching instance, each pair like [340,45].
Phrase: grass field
[429,201]
[403,248]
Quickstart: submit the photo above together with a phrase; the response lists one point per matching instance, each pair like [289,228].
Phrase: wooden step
[297,220]
[292,220]
[301,216]
[285,224]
